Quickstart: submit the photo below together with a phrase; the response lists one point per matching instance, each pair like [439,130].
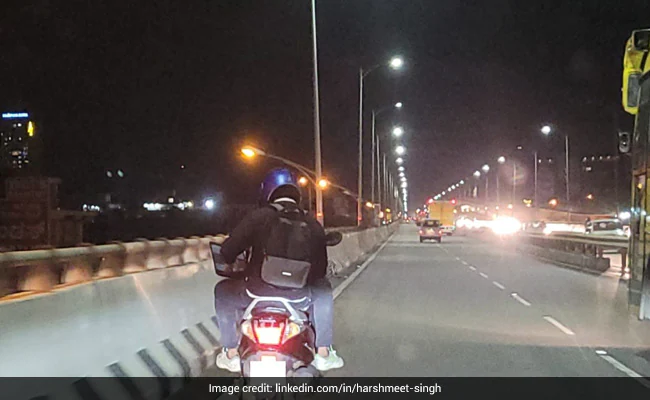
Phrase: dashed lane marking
[520,299]
[558,325]
[618,365]
[497,284]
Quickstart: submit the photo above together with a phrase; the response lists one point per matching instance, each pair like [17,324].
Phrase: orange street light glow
[248,152]
[323,183]
[302,181]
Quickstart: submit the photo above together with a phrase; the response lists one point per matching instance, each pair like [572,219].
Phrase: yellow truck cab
[636,101]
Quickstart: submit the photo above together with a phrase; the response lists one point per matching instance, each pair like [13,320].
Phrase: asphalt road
[472,306]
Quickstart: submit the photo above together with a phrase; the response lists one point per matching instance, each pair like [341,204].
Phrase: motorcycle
[277,338]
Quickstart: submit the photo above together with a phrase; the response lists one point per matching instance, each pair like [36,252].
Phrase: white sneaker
[332,361]
[229,364]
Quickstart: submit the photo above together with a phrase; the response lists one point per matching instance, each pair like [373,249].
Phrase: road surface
[472,306]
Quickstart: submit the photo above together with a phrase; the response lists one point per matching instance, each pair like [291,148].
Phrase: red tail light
[268,332]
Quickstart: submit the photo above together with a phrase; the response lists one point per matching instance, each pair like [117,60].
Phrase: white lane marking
[465,262]
[483,275]
[472,268]
[558,325]
[520,299]
[601,352]
[497,284]
[458,258]
[340,288]
[620,366]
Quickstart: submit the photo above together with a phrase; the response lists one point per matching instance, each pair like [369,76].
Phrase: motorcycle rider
[279,188]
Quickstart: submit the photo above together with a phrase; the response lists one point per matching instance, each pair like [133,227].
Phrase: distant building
[17,141]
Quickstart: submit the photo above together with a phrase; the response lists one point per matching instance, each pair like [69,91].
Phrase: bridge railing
[35,271]
[25,273]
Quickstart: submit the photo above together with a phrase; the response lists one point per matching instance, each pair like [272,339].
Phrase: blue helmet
[279,182]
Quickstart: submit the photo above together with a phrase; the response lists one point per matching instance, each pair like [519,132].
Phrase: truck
[443,211]
[636,101]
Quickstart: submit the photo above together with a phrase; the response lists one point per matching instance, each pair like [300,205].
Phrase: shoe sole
[225,367]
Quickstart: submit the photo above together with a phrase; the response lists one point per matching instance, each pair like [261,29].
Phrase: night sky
[152,85]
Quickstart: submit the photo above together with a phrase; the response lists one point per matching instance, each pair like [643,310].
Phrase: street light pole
[317,143]
[514,182]
[385,180]
[498,196]
[372,152]
[566,147]
[535,193]
[379,191]
[360,172]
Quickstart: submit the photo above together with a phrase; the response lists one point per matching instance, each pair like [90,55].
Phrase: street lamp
[398,104]
[485,169]
[399,160]
[394,63]
[400,150]
[400,169]
[547,130]
[250,152]
[501,160]
[322,183]
[398,131]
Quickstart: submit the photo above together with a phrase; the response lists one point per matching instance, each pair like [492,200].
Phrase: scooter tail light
[268,333]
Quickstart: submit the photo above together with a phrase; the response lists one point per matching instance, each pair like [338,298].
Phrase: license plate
[269,367]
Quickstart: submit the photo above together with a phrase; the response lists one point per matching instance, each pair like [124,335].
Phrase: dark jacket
[253,231]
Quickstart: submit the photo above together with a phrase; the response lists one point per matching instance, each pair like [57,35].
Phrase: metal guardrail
[581,243]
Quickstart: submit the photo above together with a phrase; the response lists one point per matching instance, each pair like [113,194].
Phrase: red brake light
[268,332]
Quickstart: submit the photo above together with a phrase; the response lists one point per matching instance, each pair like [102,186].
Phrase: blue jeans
[231,300]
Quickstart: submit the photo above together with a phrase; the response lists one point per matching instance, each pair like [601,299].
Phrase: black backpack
[288,250]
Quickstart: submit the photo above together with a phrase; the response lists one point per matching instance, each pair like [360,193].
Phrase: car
[430,229]
[448,230]
[605,227]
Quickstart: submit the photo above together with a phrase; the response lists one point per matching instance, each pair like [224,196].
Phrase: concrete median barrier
[148,314]
[582,261]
